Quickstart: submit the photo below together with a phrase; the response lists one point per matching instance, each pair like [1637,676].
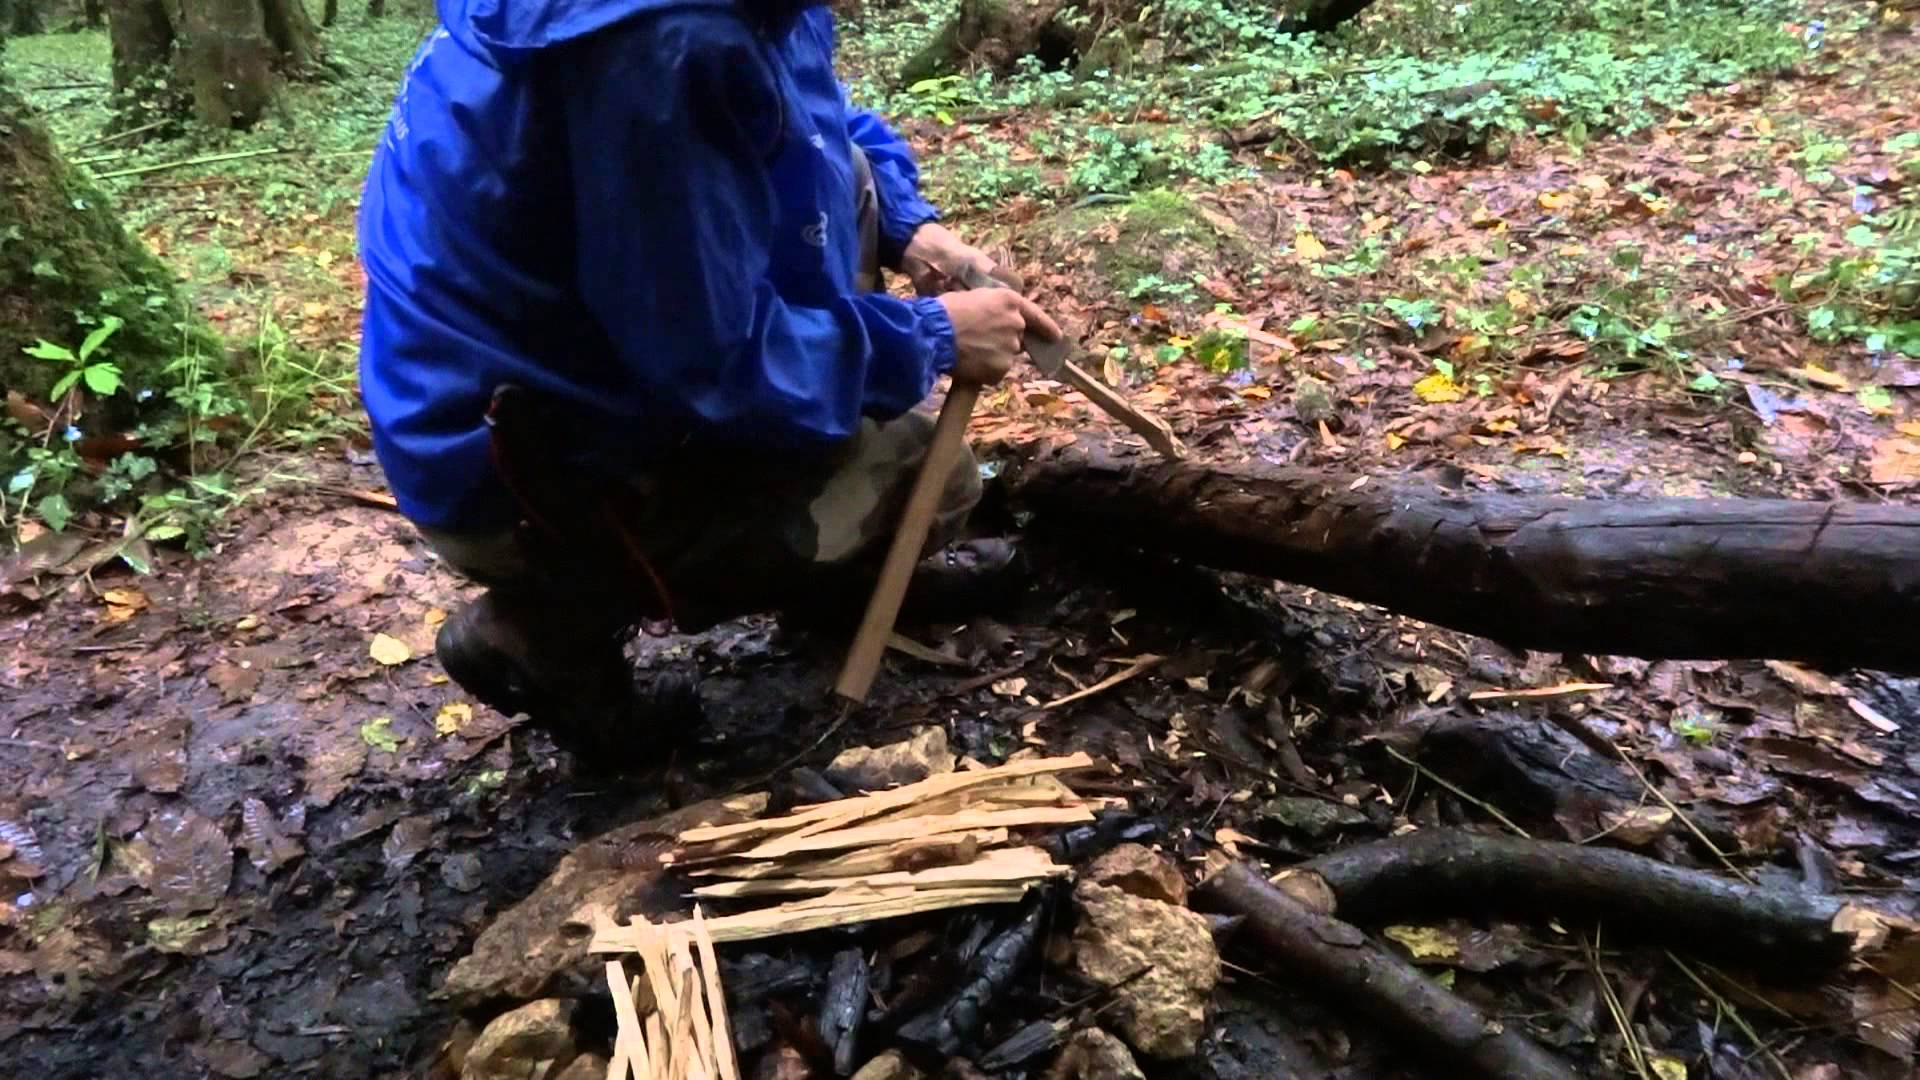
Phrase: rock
[1140,871]
[1311,818]
[538,947]
[522,1043]
[1312,401]
[1166,951]
[783,1062]
[1093,1054]
[892,1065]
[869,768]
[584,1067]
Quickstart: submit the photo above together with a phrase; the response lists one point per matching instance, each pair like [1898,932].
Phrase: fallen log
[1835,584]
[1333,957]
[1435,873]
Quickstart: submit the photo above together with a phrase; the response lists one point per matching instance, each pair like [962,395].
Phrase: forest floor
[246,824]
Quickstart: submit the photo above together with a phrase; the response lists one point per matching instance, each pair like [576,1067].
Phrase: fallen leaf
[1561,690]
[183,859]
[1395,440]
[452,716]
[1425,943]
[1639,826]
[124,604]
[1012,688]
[313,309]
[1668,1068]
[1820,376]
[1763,126]
[1895,461]
[177,934]
[1309,246]
[1436,389]
[1806,680]
[389,650]
[378,733]
[267,845]
[1910,429]
[1555,200]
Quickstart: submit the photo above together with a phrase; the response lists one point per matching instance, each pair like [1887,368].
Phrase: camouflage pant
[727,533]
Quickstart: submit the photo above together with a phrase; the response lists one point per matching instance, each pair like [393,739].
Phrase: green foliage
[102,377]
[1870,295]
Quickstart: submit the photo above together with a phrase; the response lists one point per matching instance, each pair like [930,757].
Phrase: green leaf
[1903,142]
[378,733]
[54,511]
[135,561]
[65,384]
[47,350]
[1875,397]
[1862,236]
[1444,367]
[100,335]
[20,481]
[1820,318]
[1704,383]
[102,379]
[165,532]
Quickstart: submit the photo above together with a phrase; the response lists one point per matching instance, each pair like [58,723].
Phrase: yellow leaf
[1555,200]
[1179,342]
[452,716]
[1573,251]
[1425,942]
[434,617]
[324,258]
[1763,126]
[1395,440]
[1659,204]
[1502,427]
[1596,184]
[1309,246]
[1667,1068]
[1518,301]
[1437,389]
[389,650]
[1820,376]
[1911,427]
[1258,393]
[1484,218]
[313,309]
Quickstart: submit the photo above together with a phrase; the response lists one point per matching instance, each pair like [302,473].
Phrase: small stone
[783,1062]
[1312,401]
[1093,1054]
[462,872]
[1314,819]
[892,1065]
[870,768]
[1168,954]
[1140,871]
[521,1043]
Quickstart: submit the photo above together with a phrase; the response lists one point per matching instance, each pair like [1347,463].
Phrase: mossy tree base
[64,257]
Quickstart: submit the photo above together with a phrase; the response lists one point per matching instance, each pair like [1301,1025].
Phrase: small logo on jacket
[816,234]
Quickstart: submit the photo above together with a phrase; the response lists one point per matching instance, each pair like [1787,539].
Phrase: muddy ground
[246,825]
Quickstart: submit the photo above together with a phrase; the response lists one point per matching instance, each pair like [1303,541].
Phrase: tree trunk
[26,18]
[142,39]
[226,61]
[295,38]
[1320,16]
[376,8]
[1832,583]
[331,13]
[96,13]
[63,254]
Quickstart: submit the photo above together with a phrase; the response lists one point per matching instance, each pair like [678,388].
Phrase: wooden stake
[909,541]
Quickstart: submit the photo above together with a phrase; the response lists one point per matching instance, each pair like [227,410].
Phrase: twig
[120,647]
[1539,692]
[1686,820]
[1139,665]
[1457,790]
[30,744]
[1733,1014]
[118,135]
[189,162]
[1635,1053]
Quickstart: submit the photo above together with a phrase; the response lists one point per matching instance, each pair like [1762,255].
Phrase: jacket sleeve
[902,208]
[669,125]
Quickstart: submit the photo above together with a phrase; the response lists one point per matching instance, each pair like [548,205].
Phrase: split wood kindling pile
[944,842]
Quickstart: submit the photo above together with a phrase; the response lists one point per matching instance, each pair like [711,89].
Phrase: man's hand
[987,326]
[935,259]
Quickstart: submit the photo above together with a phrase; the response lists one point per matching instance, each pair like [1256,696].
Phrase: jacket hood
[518,26]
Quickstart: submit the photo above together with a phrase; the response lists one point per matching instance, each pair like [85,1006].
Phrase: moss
[1160,232]
[64,257]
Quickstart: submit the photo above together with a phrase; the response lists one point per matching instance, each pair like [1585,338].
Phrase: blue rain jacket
[643,210]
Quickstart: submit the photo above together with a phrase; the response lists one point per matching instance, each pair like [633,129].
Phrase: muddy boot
[565,668]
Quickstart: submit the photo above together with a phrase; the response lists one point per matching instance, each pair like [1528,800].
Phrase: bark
[64,254]
[994,34]
[226,61]
[95,13]
[1834,584]
[291,30]
[142,37]
[1436,873]
[330,13]
[376,8]
[25,18]
[1327,956]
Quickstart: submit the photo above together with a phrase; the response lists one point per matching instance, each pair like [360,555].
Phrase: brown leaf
[267,845]
[187,859]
